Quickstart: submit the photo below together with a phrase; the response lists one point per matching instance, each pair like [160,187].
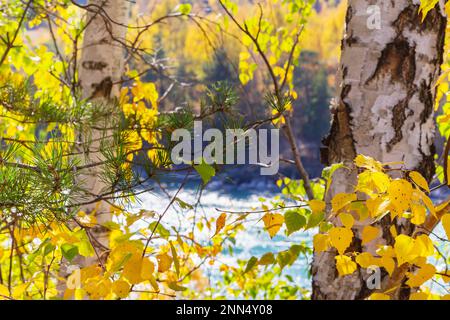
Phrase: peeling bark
[384,109]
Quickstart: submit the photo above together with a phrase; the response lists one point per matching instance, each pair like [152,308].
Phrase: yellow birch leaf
[370,233]
[273,223]
[419,180]
[421,276]
[393,231]
[419,214]
[164,262]
[379,296]
[4,292]
[404,249]
[154,283]
[366,260]
[147,269]
[121,288]
[316,205]
[321,242]
[428,203]
[418,296]
[220,222]
[347,220]
[132,270]
[386,251]
[388,263]
[377,206]
[400,193]
[424,246]
[341,200]
[445,220]
[368,163]
[345,265]
[341,238]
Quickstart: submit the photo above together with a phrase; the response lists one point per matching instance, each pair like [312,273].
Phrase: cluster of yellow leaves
[399,198]
[140,105]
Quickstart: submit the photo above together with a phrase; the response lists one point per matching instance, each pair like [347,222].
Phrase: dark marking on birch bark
[398,119]
[94,65]
[102,89]
[339,144]
[397,61]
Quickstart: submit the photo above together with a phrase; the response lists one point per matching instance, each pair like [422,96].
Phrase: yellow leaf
[341,200]
[373,183]
[86,220]
[379,296]
[368,163]
[220,222]
[316,205]
[321,242]
[121,288]
[418,296]
[388,264]
[445,220]
[404,249]
[377,206]
[132,270]
[345,265]
[19,290]
[164,262]
[444,204]
[347,220]
[419,180]
[369,233]
[393,231]
[147,269]
[424,246]
[419,214]
[4,292]
[365,260]
[426,200]
[273,223]
[400,192]
[386,251]
[448,175]
[421,276]
[154,283]
[341,238]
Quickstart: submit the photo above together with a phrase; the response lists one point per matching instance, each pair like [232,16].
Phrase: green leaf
[205,171]
[266,259]
[175,259]
[183,205]
[163,232]
[294,221]
[185,8]
[284,258]
[250,264]
[327,173]
[315,219]
[69,251]
[84,246]
[48,248]
[176,287]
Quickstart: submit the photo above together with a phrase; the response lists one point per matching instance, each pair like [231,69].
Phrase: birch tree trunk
[101,65]
[383,109]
